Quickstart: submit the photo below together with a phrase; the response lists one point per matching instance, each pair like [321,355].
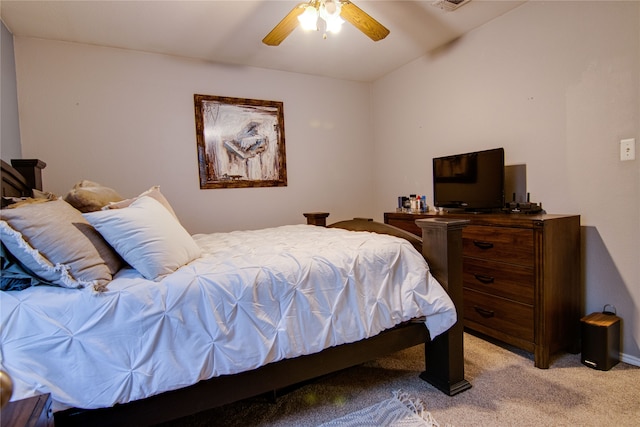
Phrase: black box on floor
[600,340]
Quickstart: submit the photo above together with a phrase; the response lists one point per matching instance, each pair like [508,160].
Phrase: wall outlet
[628,149]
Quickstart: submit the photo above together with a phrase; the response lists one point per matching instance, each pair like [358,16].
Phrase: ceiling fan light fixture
[330,13]
[334,13]
[334,25]
[309,18]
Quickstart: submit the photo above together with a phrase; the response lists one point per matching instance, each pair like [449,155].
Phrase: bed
[194,344]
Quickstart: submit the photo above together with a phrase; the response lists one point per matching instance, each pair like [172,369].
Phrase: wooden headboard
[21,177]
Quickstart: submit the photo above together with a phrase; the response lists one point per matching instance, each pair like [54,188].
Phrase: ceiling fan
[332,12]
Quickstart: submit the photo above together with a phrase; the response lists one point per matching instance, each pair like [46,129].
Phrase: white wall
[10,129]
[557,84]
[126,120]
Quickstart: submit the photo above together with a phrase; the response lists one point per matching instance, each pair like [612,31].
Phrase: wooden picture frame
[240,142]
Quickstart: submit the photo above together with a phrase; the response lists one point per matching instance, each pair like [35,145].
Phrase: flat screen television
[470,181]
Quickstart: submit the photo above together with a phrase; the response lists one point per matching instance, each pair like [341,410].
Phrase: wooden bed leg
[317,218]
[444,356]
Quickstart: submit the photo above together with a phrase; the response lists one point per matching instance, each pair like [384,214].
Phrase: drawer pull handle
[484,279]
[483,245]
[484,312]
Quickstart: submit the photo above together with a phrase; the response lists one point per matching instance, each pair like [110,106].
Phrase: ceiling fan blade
[284,27]
[362,21]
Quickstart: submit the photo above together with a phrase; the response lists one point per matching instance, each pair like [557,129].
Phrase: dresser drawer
[509,281]
[405,225]
[493,312]
[509,245]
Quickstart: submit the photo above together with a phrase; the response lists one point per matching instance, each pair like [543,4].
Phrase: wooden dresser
[521,278]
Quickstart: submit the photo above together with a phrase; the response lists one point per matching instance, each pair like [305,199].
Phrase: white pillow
[147,236]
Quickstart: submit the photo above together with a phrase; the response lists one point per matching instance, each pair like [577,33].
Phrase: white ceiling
[231,32]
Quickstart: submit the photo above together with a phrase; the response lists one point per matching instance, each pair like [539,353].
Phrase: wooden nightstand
[31,412]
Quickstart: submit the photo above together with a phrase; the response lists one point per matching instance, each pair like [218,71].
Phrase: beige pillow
[38,196]
[25,201]
[153,192]
[89,196]
[58,244]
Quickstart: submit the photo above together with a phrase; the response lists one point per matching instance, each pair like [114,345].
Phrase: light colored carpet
[400,410]
[507,391]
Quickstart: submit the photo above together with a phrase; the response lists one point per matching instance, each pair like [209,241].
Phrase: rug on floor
[401,410]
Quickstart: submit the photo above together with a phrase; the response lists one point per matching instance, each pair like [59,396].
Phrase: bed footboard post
[444,356]
[317,218]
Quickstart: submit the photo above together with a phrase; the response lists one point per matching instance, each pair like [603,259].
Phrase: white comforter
[255,297]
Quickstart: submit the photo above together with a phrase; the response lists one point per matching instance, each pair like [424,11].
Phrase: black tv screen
[470,181]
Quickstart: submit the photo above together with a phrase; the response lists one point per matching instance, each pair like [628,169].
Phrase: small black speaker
[600,340]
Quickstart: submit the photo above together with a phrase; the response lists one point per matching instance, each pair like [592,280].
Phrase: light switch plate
[628,149]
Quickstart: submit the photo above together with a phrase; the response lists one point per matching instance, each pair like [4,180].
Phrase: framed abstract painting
[240,142]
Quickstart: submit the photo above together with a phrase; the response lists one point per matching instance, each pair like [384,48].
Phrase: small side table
[30,412]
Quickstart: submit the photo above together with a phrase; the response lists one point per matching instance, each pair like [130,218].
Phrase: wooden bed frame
[441,245]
